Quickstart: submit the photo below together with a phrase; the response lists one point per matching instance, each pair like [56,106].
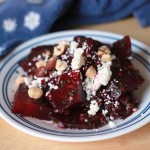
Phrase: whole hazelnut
[35,93]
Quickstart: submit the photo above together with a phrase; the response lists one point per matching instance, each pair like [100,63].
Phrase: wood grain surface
[13,139]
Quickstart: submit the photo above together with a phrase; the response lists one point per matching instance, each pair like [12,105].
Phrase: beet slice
[26,106]
[69,92]
[41,109]
[24,63]
[124,77]
[122,48]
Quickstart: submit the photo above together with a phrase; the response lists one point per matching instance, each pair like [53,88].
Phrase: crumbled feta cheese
[37,82]
[102,78]
[93,108]
[52,86]
[87,86]
[29,64]
[77,62]
[55,87]
[73,45]
[116,103]
[39,56]
[78,52]
[129,58]
[84,45]
[111,118]
[64,57]
[78,59]
[27,80]
[104,112]
[111,124]
[134,109]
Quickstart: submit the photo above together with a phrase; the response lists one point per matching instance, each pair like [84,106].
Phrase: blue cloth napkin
[21,20]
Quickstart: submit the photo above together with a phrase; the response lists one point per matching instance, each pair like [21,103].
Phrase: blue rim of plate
[67,133]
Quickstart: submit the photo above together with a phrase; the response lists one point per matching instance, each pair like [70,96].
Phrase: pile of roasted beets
[56,105]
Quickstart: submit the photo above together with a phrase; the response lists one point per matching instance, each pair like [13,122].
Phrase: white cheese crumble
[116,104]
[29,64]
[87,86]
[39,56]
[103,76]
[27,80]
[73,45]
[78,59]
[36,82]
[111,124]
[52,86]
[77,62]
[104,112]
[93,108]
[78,52]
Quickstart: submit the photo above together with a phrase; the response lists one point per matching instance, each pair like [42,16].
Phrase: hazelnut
[102,48]
[35,93]
[90,73]
[64,42]
[61,65]
[58,50]
[100,53]
[107,51]
[47,53]
[40,64]
[20,80]
[106,58]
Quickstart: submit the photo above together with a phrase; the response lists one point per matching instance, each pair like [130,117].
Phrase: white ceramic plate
[141,56]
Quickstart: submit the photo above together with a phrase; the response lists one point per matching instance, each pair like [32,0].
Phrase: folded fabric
[25,19]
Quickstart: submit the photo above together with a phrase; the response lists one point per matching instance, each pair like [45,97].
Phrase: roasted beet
[28,63]
[27,106]
[122,48]
[41,72]
[50,65]
[68,91]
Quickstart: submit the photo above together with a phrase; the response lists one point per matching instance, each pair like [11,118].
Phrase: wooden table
[13,139]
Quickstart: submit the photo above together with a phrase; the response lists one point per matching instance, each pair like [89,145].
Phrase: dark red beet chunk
[41,109]
[30,69]
[69,92]
[125,77]
[27,106]
[122,48]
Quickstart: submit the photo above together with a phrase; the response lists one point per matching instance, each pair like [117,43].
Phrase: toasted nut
[48,53]
[107,51]
[100,53]
[20,80]
[90,73]
[35,93]
[106,58]
[66,43]
[102,48]
[61,65]
[58,50]
[40,64]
